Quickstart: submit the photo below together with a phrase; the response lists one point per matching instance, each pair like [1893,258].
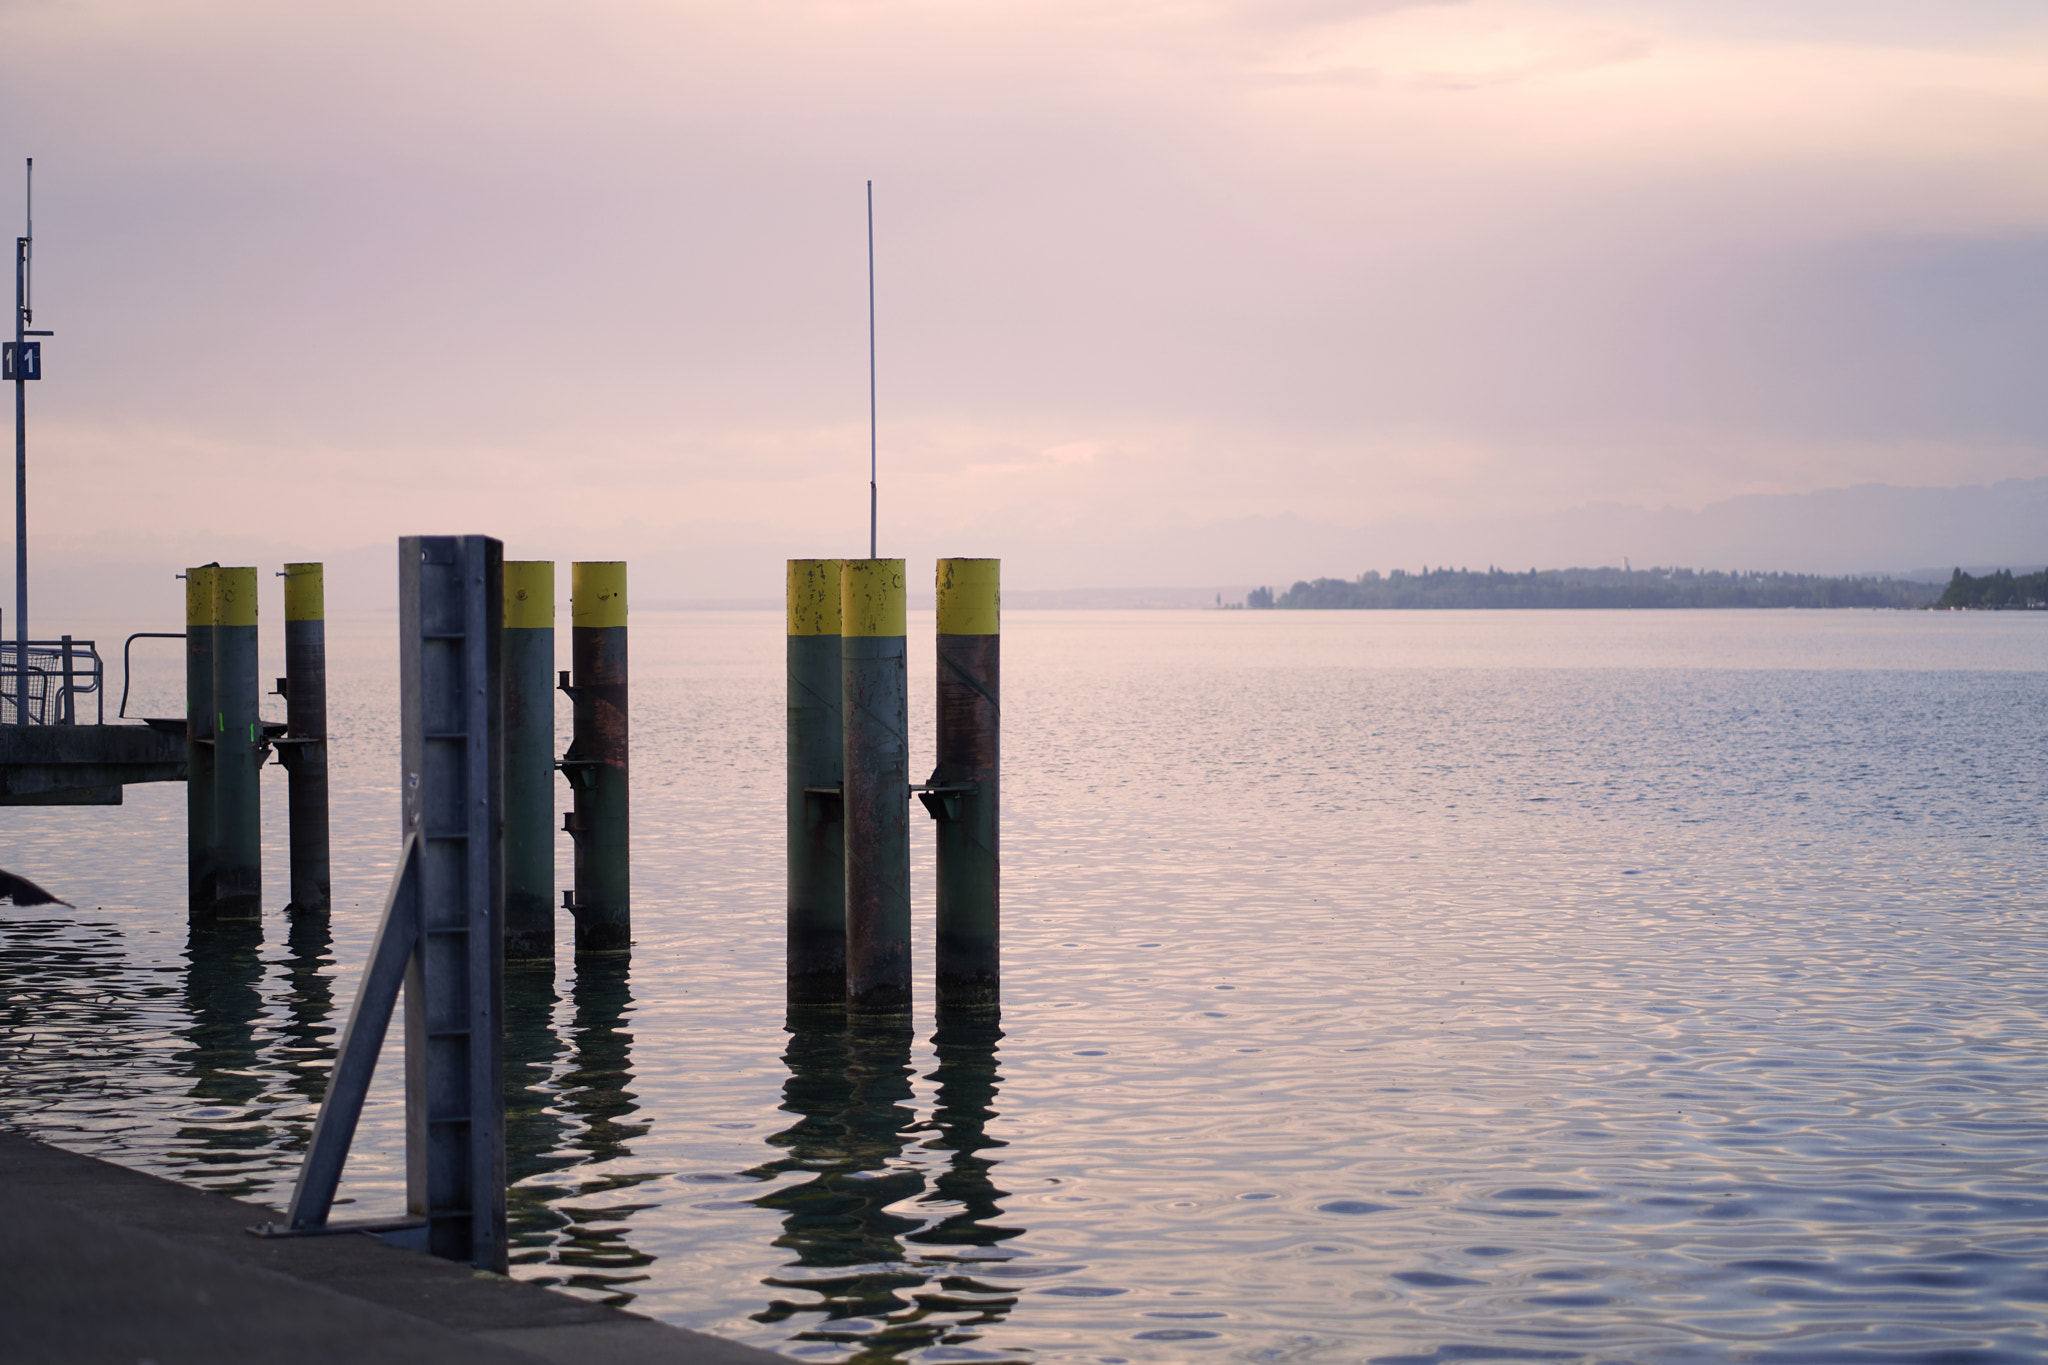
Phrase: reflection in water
[224,971]
[533,1130]
[594,1087]
[848,1225]
[1567,984]
[307,1035]
[967,1080]
[73,1027]
[581,1226]
[851,1092]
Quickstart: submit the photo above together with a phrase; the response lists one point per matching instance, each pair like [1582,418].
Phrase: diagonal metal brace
[398,938]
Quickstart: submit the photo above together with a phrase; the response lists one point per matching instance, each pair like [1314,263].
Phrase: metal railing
[57,672]
[126,645]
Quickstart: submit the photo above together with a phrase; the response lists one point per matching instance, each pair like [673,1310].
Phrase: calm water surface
[1395,987]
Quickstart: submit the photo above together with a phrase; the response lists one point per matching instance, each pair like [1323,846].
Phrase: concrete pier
[103,1265]
[84,765]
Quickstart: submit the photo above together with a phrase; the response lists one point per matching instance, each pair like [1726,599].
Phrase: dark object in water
[22,891]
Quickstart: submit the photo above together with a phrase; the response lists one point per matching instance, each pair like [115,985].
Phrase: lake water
[1395,987]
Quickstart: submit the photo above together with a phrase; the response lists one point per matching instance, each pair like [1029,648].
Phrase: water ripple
[1507,1002]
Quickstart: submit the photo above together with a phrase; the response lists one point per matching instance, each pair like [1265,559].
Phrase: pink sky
[591,276]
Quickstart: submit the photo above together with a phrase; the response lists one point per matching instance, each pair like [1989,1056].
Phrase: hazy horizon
[1874,530]
[1381,282]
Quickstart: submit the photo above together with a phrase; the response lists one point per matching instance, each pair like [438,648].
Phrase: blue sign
[21,360]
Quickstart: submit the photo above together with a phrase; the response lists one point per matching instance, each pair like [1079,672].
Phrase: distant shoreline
[1630,588]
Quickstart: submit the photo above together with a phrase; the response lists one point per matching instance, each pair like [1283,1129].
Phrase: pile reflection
[307,1037]
[857,1225]
[885,1185]
[572,1106]
[223,1060]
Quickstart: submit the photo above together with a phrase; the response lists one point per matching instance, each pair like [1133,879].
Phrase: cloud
[1469,46]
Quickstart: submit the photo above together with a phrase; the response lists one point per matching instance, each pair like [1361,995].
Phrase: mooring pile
[599,821]
[475,878]
[227,744]
[848,788]
[475,881]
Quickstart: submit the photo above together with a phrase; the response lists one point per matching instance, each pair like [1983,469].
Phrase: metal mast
[24,361]
[22,317]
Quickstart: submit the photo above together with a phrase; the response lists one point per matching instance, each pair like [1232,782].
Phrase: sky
[593,278]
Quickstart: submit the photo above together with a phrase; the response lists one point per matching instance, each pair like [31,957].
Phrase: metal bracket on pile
[577,771]
[440,938]
[942,799]
[289,751]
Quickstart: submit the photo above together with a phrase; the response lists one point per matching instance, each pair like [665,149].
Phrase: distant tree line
[1579,588]
[1996,591]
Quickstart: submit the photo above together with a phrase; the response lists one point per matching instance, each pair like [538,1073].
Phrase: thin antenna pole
[872,500]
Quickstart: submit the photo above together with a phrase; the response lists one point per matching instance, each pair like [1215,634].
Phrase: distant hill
[1583,588]
[1871,530]
[1999,591]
